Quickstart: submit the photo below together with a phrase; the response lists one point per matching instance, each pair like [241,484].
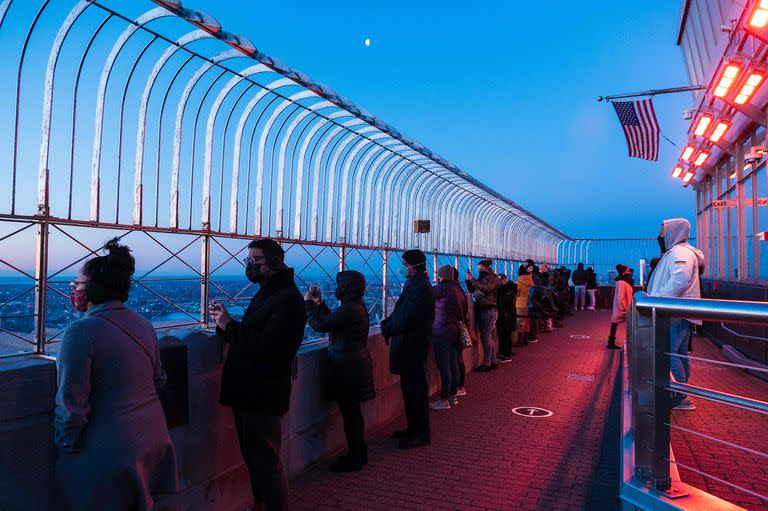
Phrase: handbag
[465,340]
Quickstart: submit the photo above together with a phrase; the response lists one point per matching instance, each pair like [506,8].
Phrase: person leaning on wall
[256,379]
[410,329]
[110,429]
[350,368]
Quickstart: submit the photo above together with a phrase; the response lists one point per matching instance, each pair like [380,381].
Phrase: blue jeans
[679,335]
[579,294]
[488,319]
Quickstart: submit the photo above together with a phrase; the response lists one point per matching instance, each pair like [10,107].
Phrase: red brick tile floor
[484,457]
[747,429]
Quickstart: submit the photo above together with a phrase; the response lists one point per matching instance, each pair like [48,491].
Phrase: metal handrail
[744,336]
[652,389]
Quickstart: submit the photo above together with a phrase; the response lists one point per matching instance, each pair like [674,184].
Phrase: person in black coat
[507,320]
[256,379]
[350,369]
[410,328]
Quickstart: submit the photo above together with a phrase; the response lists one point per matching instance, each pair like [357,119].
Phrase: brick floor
[738,426]
[483,457]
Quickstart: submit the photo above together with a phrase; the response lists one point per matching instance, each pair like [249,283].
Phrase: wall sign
[731,203]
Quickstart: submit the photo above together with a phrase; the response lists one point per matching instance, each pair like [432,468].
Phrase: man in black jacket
[410,327]
[256,380]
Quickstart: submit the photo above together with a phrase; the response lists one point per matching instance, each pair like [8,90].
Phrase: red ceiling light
[748,88]
[721,128]
[687,153]
[701,127]
[759,17]
[688,176]
[727,78]
[677,171]
[700,159]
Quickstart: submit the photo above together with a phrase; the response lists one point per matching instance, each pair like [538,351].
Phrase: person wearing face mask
[256,379]
[410,329]
[678,275]
[350,369]
[622,301]
[110,429]
[485,288]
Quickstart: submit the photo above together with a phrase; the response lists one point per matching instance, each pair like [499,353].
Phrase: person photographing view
[256,379]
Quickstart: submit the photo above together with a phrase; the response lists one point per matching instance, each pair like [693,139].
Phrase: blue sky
[506,90]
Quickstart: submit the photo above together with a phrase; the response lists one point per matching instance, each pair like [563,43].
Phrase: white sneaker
[440,405]
[590,308]
[461,391]
[686,404]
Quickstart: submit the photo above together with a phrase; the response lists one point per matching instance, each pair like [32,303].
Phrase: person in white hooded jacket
[677,276]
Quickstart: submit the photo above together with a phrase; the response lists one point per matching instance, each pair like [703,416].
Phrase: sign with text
[731,203]
[421,226]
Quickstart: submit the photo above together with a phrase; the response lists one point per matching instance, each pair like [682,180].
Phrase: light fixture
[701,127]
[727,78]
[721,128]
[753,81]
[700,159]
[677,171]
[759,17]
[688,176]
[687,153]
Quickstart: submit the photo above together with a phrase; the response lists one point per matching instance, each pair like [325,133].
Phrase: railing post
[205,270]
[648,342]
[342,258]
[384,283]
[434,267]
[41,280]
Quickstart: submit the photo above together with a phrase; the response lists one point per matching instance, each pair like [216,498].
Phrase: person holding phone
[256,379]
[350,369]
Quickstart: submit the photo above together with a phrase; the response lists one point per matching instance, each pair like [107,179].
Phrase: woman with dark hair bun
[114,448]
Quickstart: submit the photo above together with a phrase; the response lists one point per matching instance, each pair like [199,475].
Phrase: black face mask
[662,244]
[253,273]
[338,294]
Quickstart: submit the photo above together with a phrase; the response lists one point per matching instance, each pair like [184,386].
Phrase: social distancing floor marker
[532,411]
[580,337]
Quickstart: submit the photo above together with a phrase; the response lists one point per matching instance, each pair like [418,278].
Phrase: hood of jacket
[676,231]
[350,286]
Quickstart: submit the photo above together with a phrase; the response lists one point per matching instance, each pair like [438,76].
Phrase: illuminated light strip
[704,121]
[688,177]
[687,153]
[721,128]
[730,73]
[748,89]
[677,171]
[759,18]
[700,159]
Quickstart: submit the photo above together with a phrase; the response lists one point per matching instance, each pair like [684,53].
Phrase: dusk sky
[506,92]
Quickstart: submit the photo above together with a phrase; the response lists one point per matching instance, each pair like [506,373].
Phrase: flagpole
[653,92]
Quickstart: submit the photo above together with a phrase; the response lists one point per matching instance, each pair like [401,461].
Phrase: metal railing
[649,397]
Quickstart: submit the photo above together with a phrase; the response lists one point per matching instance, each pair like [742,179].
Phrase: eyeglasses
[250,260]
[74,283]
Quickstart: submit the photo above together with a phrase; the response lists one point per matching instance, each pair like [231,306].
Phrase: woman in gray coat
[114,448]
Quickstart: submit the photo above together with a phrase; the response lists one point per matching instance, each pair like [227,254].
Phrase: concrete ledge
[211,469]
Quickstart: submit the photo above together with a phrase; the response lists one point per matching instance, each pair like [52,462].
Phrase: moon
[368,42]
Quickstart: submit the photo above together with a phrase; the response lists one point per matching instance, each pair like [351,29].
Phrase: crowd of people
[114,448]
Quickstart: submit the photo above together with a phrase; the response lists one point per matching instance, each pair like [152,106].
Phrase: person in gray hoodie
[677,275]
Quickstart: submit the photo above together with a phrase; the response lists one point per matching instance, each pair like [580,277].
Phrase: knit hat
[416,259]
[445,272]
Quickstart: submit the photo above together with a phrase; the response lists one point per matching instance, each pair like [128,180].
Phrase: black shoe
[347,464]
[401,433]
[612,346]
[483,369]
[413,442]
[494,367]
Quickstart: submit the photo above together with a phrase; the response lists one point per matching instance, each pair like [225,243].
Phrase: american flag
[640,127]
